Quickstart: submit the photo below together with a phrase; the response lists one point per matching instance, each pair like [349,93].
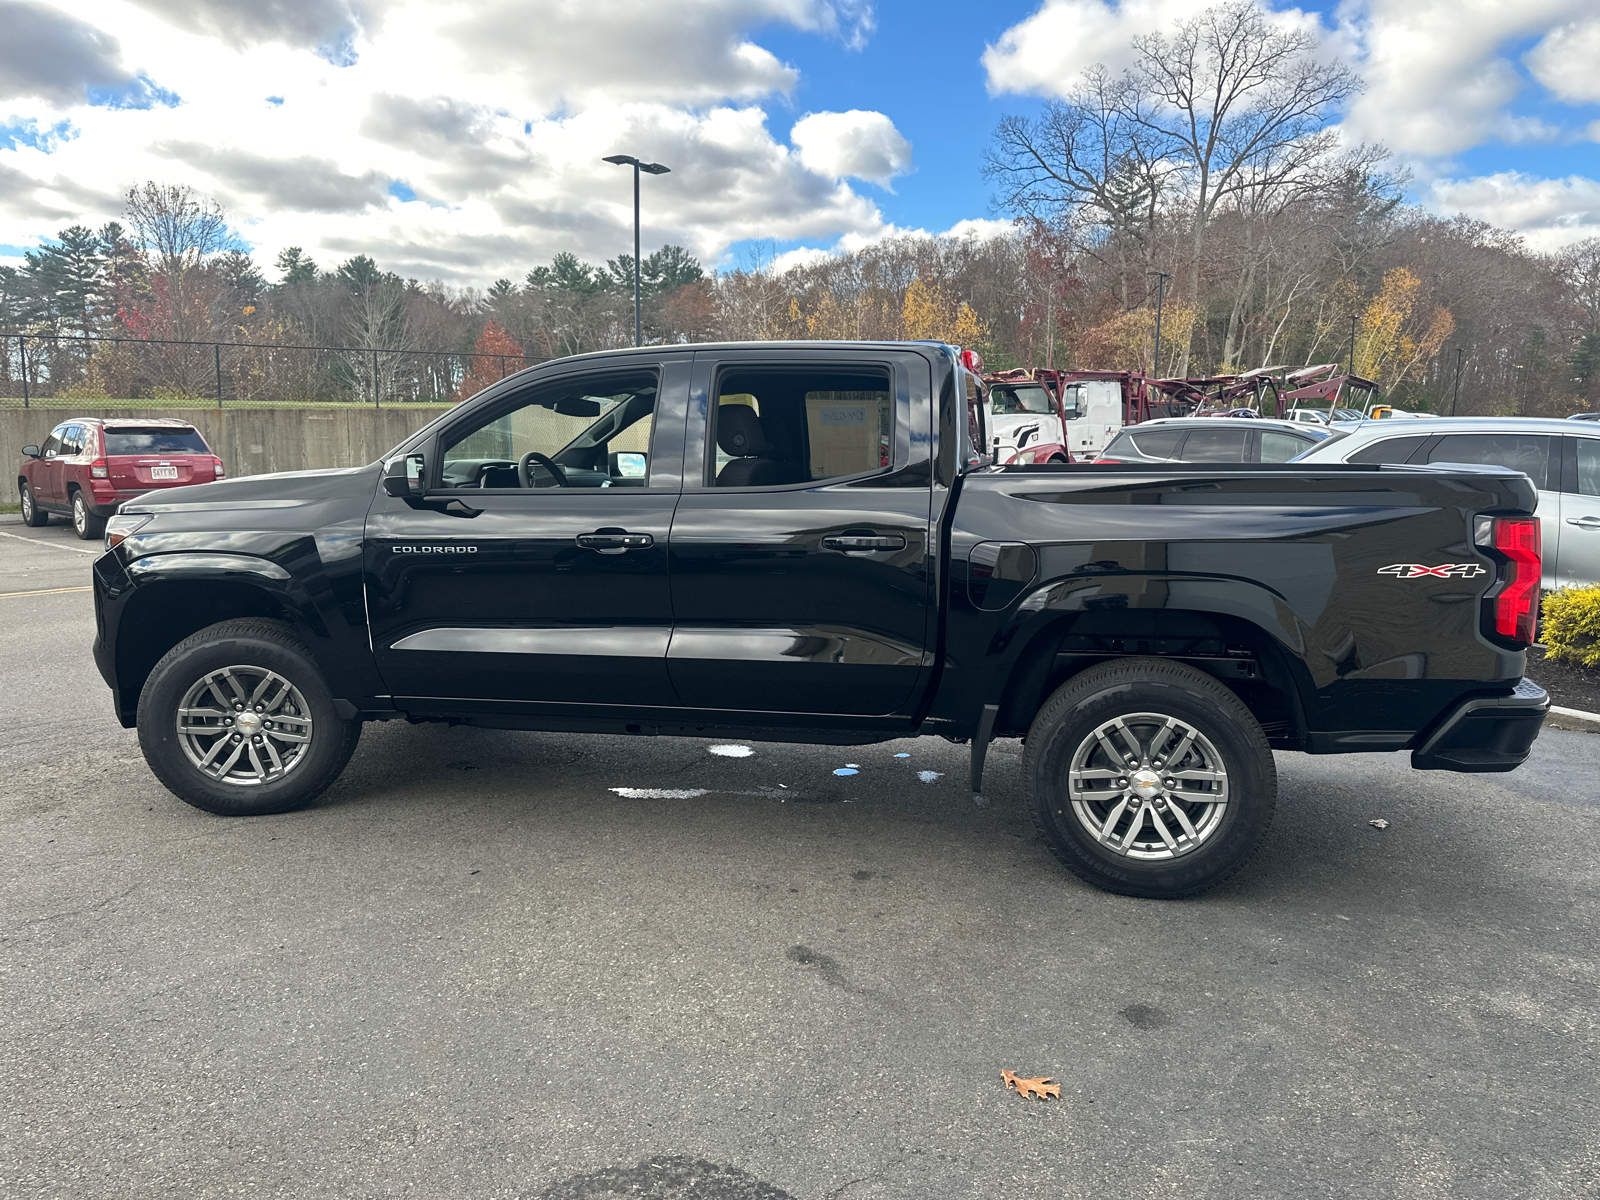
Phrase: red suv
[89,465]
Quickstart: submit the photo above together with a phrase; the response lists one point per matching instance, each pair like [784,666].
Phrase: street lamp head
[628,160]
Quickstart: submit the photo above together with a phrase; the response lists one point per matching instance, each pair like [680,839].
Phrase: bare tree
[178,229]
[1086,163]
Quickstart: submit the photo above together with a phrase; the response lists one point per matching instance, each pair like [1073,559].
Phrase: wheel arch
[180,600]
[1248,659]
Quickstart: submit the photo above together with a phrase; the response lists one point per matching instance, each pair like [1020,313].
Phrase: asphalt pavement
[478,969]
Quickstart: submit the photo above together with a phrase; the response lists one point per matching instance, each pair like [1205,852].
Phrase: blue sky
[462,141]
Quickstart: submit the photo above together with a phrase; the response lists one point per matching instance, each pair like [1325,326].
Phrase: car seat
[741,434]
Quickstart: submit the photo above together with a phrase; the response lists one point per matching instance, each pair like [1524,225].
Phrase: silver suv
[1561,457]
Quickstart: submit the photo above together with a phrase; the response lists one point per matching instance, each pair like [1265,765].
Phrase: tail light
[1514,603]
[99,470]
[216,465]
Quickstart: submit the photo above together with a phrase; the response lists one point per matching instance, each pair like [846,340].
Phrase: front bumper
[1487,733]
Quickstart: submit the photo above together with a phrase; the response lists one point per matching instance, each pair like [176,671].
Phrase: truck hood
[1007,427]
[251,491]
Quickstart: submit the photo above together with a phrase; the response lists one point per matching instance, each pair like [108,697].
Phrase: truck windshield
[1009,398]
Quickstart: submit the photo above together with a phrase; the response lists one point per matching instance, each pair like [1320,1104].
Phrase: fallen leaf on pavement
[1041,1087]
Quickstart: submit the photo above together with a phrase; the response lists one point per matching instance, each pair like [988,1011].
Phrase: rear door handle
[614,541]
[1584,522]
[859,543]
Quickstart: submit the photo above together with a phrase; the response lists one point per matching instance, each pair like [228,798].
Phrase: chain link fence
[43,370]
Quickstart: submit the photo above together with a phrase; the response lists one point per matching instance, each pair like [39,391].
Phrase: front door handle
[862,543]
[1584,522]
[614,541]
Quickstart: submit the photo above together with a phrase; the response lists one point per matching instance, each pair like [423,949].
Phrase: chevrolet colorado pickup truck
[810,542]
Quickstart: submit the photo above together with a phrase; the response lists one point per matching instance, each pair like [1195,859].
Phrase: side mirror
[31,451]
[403,477]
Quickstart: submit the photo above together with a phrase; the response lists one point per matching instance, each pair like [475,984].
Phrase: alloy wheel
[244,725]
[1148,786]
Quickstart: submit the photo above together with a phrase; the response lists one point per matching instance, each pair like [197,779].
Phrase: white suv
[1561,457]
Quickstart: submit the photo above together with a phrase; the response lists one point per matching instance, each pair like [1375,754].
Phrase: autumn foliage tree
[1398,334]
[494,356]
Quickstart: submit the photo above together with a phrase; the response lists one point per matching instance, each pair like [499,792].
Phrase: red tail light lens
[98,470]
[216,465]
[1516,608]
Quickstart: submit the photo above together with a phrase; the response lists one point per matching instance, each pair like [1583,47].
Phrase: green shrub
[1572,624]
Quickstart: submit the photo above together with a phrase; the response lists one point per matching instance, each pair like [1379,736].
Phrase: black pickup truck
[809,542]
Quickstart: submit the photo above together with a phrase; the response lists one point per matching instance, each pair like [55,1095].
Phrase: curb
[1572,718]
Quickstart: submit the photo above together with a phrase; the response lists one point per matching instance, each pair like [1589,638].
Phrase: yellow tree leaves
[1393,338]
[931,314]
[1040,1088]
[1127,341]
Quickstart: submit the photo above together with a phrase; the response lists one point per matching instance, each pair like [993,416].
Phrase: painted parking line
[46,592]
[17,537]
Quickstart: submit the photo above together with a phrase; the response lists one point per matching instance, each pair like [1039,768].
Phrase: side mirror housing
[403,477]
[31,451]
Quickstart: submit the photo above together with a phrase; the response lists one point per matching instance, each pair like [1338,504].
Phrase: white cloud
[495,114]
[1565,61]
[1438,80]
[862,145]
[1549,213]
[1045,54]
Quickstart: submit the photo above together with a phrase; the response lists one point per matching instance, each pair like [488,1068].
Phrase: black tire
[32,514]
[84,523]
[1224,834]
[245,650]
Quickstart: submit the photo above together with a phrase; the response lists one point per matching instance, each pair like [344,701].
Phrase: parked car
[1319,416]
[1154,631]
[1206,439]
[1562,457]
[89,466]
[1585,416]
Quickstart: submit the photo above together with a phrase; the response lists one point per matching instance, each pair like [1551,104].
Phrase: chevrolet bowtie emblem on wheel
[1446,571]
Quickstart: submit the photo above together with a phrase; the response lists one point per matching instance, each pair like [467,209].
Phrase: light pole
[1161,294]
[1455,394]
[627,160]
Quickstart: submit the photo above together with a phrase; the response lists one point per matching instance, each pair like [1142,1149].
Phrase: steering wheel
[545,461]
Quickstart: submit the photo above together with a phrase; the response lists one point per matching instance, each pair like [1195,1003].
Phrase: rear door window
[801,425]
[1158,443]
[1587,482]
[1389,450]
[1281,447]
[1215,445]
[154,441]
[1525,452]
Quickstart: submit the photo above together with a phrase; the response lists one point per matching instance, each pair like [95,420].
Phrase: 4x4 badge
[1446,571]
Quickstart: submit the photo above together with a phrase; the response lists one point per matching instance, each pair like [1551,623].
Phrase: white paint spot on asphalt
[659,793]
[845,771]
[929,776]
[732,751]
[852,764]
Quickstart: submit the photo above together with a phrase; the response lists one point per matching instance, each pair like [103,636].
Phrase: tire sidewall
[1251,789]
[80,515]
[163,749]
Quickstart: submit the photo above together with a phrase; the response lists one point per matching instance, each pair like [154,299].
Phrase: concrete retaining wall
[250,441]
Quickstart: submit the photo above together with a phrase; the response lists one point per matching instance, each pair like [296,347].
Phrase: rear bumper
[1487,733]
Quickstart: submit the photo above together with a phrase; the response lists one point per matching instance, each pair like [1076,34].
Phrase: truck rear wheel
[1150,778]
[237,720]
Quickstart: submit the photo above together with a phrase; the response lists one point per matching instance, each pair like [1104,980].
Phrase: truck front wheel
[1150,778]
[237,720]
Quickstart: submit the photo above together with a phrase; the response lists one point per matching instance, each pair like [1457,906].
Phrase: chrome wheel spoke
[1112,818]
[217,747]
[1183,819]
[1161,828]
[1134,827]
